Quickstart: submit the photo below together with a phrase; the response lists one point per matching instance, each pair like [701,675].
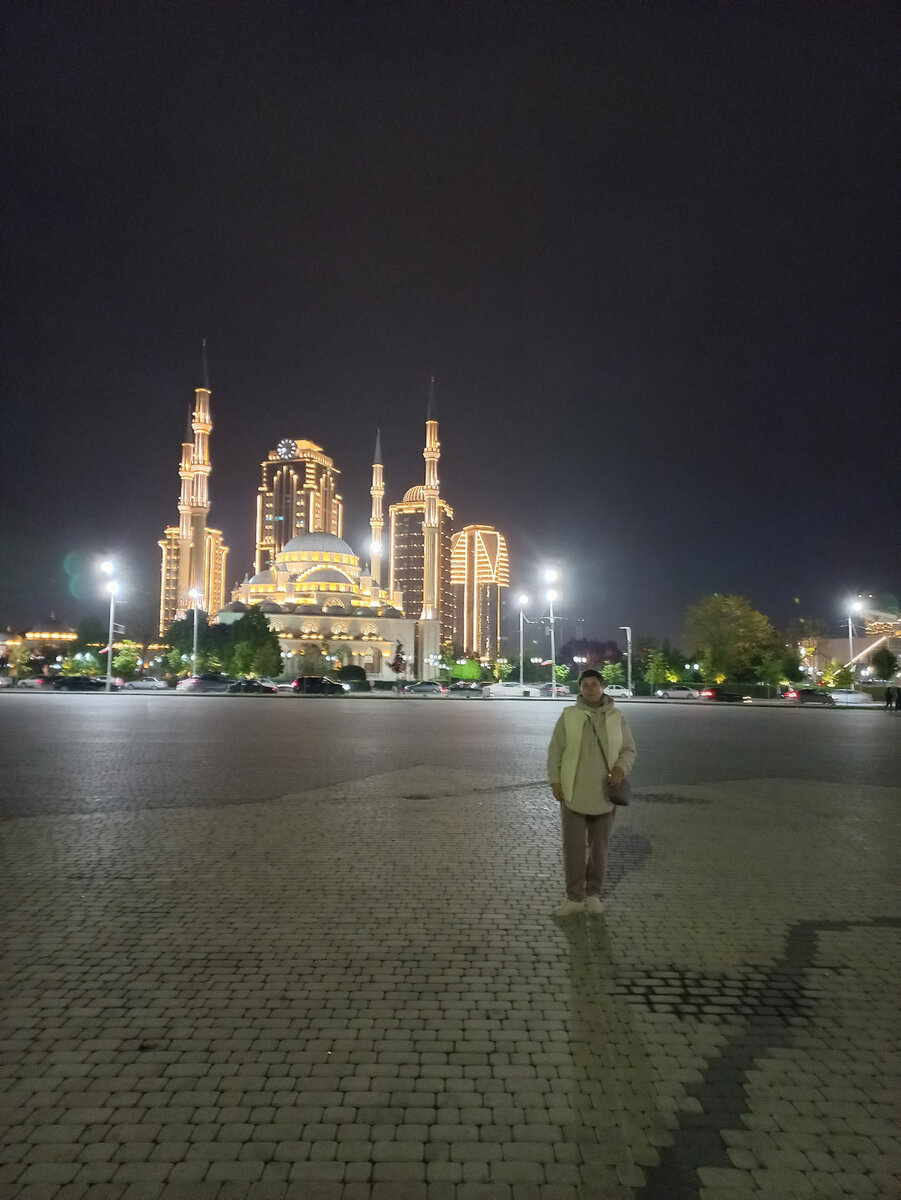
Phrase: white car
[510,690]
[846,696]
[148,684]
[677,691]
[616,691]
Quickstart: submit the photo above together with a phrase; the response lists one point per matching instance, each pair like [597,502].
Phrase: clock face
[287,448]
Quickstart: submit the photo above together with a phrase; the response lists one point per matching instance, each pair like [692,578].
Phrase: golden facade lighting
[480,567]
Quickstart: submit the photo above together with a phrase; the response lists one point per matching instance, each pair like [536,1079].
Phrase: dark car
[718,693]
[815,696]
[425,687]
[82,683]
[253,687]
[317,685]
[468,687]
[212,681]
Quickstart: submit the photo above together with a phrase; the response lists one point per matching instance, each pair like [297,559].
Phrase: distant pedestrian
[889,699]
[591,748]
[898,699]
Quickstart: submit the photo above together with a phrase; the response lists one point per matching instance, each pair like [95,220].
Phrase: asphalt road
[84,753]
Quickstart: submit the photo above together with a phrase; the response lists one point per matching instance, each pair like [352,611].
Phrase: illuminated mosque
[428,589]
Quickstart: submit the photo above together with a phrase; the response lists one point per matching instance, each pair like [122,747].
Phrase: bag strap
[597,734]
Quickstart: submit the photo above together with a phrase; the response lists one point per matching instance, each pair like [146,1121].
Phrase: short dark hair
[591,673]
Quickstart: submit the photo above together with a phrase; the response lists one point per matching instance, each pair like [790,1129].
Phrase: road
[300,949]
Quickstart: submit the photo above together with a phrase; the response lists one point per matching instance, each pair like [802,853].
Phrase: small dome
[263,577]
[414,495]
[364,612]
[391,613]
[235,606]
[321,542]
[321,575]
[269,606]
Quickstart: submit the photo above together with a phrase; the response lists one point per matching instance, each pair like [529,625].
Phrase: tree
[613,673]
[249,639]
[399,663]
[561,673]
[844,677]
[884,662]
[502,670]
[352,672]
[268,659]
[770,669]
[728,632]
[830,671]
[656,669]
[469,668]
[126,661]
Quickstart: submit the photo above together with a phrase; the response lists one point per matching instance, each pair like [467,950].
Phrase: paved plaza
[304,952]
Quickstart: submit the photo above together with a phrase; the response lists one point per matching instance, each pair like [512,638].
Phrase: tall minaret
[200,464]
[431,454]
[377,491]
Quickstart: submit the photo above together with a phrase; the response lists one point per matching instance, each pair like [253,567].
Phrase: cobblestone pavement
[353,991]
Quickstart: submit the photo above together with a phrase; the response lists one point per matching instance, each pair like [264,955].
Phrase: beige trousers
[584,851]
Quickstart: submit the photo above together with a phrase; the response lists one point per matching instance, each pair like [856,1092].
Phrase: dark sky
[649,251]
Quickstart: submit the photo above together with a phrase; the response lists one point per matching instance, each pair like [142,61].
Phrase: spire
[189,430]
[377,456]
[205,374]
[432,412]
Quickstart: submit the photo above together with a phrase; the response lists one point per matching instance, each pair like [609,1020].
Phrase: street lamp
[112,587]
[855,607]
[627,630]
[523,601]
[195,596]
[550,576]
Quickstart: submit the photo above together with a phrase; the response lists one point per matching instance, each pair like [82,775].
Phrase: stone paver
[223,1003]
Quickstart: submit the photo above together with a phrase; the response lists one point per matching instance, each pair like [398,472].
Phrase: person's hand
[616,777]
[557,789]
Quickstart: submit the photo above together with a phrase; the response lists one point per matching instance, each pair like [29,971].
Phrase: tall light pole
[855,607]
[550,576]
[627,629]
[112,587]
[195,596]
[523,601]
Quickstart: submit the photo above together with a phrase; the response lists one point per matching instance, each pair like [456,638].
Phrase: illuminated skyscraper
[421,527]
[193,553]
[298,495]
[480,567]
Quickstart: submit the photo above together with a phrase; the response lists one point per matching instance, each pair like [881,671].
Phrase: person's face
[591,689]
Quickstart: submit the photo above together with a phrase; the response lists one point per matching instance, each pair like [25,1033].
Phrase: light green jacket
[574,757]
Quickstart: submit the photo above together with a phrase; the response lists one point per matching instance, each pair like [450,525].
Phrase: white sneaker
[594,905]
[569,908]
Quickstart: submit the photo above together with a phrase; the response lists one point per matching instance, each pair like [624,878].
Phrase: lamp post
[195,596]
[627,629]
[523,601]
[550,576]
[855,607]
[112,587]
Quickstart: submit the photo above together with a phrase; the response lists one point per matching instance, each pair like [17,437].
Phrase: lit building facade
[193,553]
[298,495]
[480,567]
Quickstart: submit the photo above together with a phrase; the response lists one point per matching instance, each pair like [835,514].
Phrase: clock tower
[298,494]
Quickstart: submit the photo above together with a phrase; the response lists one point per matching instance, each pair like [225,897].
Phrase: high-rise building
[419,548]
[298,495]
[480,567]
[193,553]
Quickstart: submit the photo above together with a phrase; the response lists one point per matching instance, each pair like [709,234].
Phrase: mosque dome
[264,577]
[236,606]
[391,613]
[269,606]
[322,575]
[309,543]
[414,495]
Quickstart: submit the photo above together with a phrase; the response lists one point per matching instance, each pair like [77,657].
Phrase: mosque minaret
[431,454]
[376,521]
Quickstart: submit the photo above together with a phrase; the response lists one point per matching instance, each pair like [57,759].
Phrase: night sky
[648,250]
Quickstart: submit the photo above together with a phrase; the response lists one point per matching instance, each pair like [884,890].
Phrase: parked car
[39,682]
[199,685]
[846,696]
[616,691]
[509,690]
[718,693]
[317,685]
[253,687]
[466,687]
[356,685]
[148,684]
[560,689]
[425,687]
[813,696]
[677,691]
[82,683]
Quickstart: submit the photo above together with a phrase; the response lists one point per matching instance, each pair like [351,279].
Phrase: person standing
[589,735]
[889,700]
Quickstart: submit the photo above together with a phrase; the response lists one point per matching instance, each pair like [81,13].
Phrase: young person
[587,732]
